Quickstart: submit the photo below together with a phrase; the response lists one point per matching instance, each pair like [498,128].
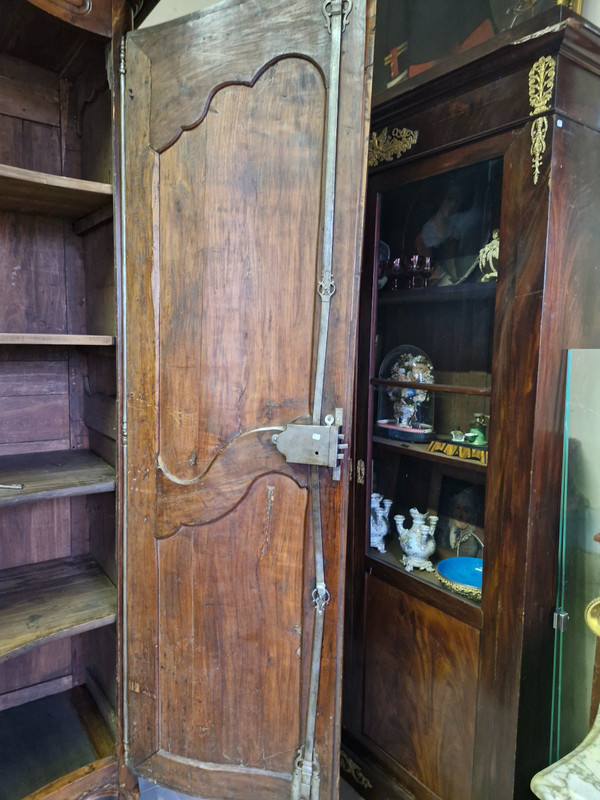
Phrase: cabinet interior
[58,409]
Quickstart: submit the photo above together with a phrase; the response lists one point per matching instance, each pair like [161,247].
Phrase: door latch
[318,445]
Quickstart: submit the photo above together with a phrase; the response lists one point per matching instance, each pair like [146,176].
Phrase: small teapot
[417,542]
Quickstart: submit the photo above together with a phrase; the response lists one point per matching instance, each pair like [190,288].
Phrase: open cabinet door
[245,140]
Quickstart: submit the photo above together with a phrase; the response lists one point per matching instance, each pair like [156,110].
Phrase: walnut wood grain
[52,600]
[221,304]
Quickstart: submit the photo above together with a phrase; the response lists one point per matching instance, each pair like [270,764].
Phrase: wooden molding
[91,15]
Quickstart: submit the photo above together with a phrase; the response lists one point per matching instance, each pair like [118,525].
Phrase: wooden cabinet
[459,408]
[170,582]
[58,421]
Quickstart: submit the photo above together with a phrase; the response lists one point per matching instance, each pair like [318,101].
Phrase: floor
[61,744]
[149,791]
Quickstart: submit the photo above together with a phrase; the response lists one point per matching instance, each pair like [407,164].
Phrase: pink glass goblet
[427,269]
[395,272]
[412,266]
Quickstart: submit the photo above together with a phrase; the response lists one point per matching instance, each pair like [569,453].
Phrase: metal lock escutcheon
[317,445]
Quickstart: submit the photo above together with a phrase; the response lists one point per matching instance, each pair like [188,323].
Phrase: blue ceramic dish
[462,575]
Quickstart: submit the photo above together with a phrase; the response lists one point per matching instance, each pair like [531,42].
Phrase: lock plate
[317,445]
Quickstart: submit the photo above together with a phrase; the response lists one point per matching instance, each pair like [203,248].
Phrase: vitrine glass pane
[431,374]
[577,652]
[413,36]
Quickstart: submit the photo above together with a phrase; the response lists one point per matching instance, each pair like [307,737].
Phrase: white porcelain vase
[418,541]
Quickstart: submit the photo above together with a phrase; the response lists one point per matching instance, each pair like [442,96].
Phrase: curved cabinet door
[231,219]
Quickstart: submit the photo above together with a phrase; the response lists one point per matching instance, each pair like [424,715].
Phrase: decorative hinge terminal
[335,8]
[305,778]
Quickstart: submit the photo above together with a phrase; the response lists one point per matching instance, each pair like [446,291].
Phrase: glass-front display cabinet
[430,374]
[479,274]
[413,38]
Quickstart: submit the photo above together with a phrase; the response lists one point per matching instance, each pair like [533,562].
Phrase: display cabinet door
[238,252]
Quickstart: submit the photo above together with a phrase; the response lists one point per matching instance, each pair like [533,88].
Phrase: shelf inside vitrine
[30,192]
[480,391]
[424,585]
[59,473]
[438,294]
[67,339]
[51,600]
[419,450]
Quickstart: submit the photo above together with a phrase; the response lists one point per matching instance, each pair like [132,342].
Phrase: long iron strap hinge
[123,57]
[317,445]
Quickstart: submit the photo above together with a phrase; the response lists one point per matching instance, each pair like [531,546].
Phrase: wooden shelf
[51,600]
[59,473]
[439,294]
[418,450]
[29,192]
[480,391]
[69,339]
[425,586]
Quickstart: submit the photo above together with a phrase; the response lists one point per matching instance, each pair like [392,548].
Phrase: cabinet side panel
[32,274]
[570,320]
[34,532]
[26,674]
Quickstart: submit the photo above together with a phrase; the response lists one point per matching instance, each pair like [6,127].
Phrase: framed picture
[459,505]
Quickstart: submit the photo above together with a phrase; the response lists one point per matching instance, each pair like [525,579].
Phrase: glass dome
[406,412]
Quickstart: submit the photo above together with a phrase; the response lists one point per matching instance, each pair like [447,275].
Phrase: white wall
[170,9]
[591,11]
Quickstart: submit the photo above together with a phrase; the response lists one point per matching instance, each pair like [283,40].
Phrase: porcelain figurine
[380,525]
[417,542]
[477,433]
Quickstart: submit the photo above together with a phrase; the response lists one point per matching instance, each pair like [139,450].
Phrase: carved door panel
[242,251]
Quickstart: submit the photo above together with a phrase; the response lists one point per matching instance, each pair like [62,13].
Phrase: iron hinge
[560,619]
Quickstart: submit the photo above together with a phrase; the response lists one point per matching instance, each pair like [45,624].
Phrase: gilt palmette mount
[386,147]
[541,86]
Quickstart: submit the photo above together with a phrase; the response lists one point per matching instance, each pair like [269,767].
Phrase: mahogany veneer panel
[33,192]
[59,473]
[421,689]
[40,602]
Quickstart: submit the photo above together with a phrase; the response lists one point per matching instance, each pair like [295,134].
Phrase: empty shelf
[30,192]
[58,473]
[69,339]
[51,600]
